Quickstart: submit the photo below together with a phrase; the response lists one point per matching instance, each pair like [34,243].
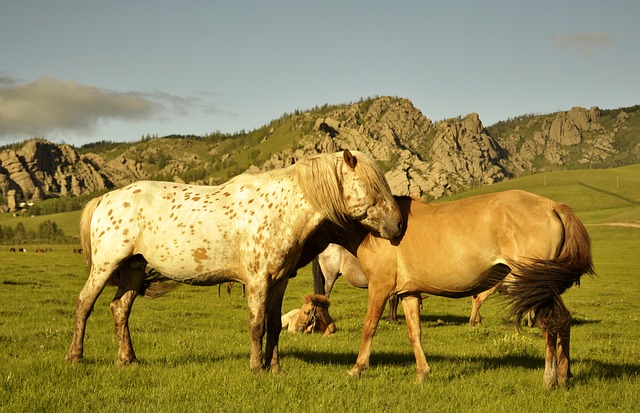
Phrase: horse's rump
[538,283]
[85,229]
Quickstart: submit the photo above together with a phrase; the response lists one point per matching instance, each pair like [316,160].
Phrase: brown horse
[312,317]
[462,248]
[336,261]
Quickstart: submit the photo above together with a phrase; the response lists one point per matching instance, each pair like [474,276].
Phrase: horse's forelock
[318,300]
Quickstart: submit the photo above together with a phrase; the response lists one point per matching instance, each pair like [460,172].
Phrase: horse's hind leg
[132,275]
[557,369]
[563,356]
[476,303]
[392,314]
[550,360]
[274,324]
[411,306]
[94,285]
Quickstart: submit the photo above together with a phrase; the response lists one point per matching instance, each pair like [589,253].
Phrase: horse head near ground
[251,229]
[312,317]
[462,248]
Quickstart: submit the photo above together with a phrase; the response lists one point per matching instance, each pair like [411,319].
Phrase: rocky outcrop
[420,158]
[42,169]
[575,135]
[423,159]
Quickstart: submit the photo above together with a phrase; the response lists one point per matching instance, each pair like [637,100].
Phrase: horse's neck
[330,233]
[297,215]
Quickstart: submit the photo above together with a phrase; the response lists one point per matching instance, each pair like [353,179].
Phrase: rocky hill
[421,158]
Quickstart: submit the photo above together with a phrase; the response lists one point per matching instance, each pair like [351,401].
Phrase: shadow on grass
[589,369]
[437,319]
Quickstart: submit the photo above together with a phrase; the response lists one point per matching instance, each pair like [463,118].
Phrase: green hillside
[597,195]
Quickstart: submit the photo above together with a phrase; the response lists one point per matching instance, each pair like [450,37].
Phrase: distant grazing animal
[462,248]
[12,250]
[313,317]
[77,250]
[336,261]
[39,250]
[251,229]
[22,250]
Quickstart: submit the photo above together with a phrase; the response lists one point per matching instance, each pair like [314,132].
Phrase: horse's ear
[349,159]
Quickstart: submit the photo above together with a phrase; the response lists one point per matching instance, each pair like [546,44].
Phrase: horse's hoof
[71,359]
[276,369]
[421,376]
[549,384]
[355,372]
[128,362]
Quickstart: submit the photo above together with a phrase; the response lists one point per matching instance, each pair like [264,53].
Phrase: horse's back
[463,247]
[178,228]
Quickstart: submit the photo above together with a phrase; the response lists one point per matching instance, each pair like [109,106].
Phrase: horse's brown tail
[85,228]
[538,283]
[318,278]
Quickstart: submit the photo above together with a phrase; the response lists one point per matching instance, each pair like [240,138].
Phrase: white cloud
[49,105]
[584,42]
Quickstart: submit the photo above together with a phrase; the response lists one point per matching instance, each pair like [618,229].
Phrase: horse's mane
[318,177]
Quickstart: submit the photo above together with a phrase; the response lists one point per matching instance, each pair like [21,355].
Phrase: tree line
[48,233]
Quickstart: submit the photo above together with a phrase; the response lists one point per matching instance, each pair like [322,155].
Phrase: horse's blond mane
[320,182]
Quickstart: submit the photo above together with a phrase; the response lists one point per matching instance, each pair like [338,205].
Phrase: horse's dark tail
[85,229]
[539,283]
[156,285]
[318,278]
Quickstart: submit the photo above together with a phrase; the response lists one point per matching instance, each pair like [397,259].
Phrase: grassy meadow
[194,345]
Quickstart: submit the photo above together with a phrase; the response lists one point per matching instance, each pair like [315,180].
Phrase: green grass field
[194,346]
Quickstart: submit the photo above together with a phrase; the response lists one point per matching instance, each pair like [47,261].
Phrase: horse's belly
[462,282]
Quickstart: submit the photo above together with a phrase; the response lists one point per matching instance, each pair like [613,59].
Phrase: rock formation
[43,169]
[419,157]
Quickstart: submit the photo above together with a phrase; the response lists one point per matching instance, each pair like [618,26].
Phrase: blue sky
[82,71]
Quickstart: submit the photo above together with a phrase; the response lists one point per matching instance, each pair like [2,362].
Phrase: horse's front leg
[411,306]
[132,275]
[257,304]
[375,308]
[274,324]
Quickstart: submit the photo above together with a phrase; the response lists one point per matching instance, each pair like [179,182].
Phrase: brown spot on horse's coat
[137,191]
[126,204]
[200,254]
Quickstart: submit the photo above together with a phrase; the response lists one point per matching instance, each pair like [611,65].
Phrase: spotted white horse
[251,229]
